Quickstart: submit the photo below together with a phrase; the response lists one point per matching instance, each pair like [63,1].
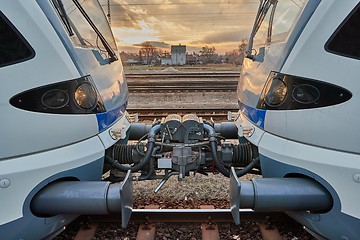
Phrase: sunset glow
[219,23]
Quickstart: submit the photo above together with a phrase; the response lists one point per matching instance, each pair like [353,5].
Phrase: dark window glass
[13,47]
[346,39]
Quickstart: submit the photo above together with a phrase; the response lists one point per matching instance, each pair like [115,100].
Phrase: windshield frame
[262,12]
[59,6]
[69,25]
[274,23]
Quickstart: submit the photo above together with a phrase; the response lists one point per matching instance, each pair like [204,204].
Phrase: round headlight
[55,99]
[275,92]
[306,94]
[85,96]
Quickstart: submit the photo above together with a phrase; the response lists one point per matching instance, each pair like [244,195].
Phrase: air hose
[213,146]
[146,159]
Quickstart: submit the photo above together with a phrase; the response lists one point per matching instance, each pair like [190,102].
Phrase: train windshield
[87,25]
[274,21]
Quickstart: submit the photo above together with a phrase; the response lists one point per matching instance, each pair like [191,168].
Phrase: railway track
[164,75]
[160,82]
[158,113]
[162,88]
[210,222]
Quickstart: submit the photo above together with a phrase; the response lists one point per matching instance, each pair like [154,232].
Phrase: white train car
[63,102]
[298,95]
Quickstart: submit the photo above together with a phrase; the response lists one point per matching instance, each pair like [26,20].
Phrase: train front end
[297,93]
[63,102]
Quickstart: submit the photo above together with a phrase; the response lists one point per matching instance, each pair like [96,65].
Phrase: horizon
[168,50]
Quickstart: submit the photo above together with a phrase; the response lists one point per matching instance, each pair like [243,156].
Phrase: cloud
[154,44]
[124,15]
[132,36]
[226,36]
[181,21]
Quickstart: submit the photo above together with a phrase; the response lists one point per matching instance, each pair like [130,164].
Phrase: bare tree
[148,52]
[236,56]
[243,46]
[232,57]
[207,54]
[242,50]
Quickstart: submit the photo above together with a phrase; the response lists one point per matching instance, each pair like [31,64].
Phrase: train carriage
[63,101]
[297,93]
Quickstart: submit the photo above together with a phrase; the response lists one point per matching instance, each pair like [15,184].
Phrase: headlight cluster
[286,92]
[77,96]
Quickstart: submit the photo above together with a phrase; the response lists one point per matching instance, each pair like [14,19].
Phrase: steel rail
[190,110]
[187,72]
[182,82]
[181,88]
[163,112]
[178,76]
[182,75]
[193,215]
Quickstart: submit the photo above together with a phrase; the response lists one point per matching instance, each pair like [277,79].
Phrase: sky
[195,23]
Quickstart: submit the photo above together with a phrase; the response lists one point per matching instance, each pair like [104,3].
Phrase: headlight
[55,99]
[275,92]
[76,96]
[288,92]
[85,96]
[306,94]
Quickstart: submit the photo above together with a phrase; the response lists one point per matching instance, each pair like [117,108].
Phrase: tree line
[151,55]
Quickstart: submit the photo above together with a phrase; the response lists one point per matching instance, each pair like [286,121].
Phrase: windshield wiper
[107,46]
[264,6]
[61,10]
[271,20]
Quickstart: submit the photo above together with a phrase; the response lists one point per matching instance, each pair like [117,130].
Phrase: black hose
[213,146]
[146,159]
[151,167]
[217,163]
[138,166]
[243,153]
[122,153]
[248,168]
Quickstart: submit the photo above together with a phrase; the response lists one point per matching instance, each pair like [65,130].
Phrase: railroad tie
[87,233]
[209,230]
[269,232]
[147,231]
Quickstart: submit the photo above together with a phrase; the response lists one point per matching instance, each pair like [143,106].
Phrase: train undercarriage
[178,146]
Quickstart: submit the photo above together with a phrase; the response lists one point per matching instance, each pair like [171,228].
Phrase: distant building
[132,61]
[191,59]
[178,54]
[129,58]
[166,59]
